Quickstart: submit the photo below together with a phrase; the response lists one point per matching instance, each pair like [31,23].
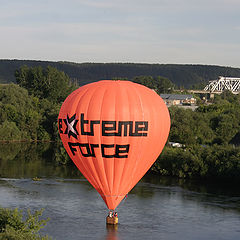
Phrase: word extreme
[107,128]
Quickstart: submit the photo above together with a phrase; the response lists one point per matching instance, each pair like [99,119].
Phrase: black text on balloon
[107,150]
[108,128]
[114,128]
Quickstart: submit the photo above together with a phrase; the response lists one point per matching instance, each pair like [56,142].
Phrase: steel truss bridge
[224,83]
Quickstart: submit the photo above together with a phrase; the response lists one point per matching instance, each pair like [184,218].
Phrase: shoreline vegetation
[14,226]
[210,135]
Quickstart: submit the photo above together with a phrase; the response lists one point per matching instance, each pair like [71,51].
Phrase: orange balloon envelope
[113,131]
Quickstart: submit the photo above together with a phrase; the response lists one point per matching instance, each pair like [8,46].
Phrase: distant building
[178,99]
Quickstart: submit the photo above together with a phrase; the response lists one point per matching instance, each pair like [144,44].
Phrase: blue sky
[140,31]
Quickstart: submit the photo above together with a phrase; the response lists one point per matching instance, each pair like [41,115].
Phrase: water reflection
[112,232]
[220,194]
[77,211]
[29,160]
[157,208]
[36,160]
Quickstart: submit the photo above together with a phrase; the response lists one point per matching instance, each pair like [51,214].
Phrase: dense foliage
[210,138]
[180,75]
[48,83]
[19,113]
[14,227]
[215,123]
[29,111]
[218,162]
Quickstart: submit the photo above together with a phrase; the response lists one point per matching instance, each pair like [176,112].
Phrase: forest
[210,135]
[183,76]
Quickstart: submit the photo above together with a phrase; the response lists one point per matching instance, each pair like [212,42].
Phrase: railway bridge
[223,83]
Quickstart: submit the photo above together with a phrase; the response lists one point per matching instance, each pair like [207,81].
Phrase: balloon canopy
[113,131]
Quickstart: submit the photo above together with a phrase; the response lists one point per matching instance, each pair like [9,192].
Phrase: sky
[136,31]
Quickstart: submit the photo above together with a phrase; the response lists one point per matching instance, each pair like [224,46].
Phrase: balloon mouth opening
[112,201]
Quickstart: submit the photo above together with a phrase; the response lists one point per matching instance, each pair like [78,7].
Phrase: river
[157,208]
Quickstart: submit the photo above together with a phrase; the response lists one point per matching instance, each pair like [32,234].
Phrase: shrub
[13,227]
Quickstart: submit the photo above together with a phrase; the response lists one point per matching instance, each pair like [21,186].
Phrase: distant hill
[181,75]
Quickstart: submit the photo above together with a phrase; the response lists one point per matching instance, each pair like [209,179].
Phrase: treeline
[211,141]
[216,162]
[187,76]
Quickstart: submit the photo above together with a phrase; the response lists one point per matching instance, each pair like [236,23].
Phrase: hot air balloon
[113,131]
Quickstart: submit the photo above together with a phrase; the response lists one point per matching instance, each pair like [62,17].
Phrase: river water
[157,208]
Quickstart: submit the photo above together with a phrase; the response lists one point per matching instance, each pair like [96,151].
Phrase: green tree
[33,117]
[179,162]
[182,126]
[21,109]
[9,131]
[13,227]
[45,83]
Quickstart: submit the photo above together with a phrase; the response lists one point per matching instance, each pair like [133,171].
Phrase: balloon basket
[112,220]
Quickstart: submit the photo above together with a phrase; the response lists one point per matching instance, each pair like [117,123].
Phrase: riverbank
[196,162]
[216,162]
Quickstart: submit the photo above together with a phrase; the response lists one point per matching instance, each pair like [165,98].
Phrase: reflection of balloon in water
[113,131]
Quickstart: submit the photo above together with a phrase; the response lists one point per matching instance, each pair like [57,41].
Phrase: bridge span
[218,86]
[224,83]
